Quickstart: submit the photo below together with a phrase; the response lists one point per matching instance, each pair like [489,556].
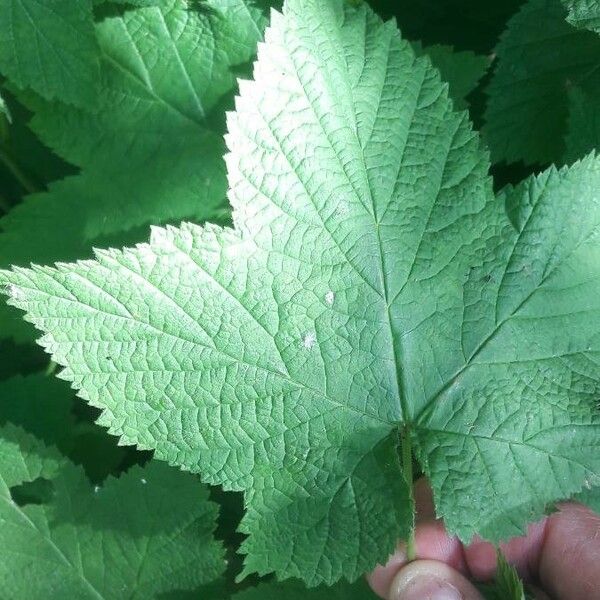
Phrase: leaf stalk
[407,471]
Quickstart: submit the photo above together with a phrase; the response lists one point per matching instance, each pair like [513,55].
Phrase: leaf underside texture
[373,293]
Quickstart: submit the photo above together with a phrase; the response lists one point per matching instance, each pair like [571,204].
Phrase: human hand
[560,555]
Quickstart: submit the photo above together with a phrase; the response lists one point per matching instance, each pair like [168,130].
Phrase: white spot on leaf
[342,209]
[309,340]
[329,297]
[143,481]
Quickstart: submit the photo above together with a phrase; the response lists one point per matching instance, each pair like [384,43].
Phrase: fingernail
[427,588]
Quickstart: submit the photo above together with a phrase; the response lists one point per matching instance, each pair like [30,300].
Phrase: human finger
[431,580]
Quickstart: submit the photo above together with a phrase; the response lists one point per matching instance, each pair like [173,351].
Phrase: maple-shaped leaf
[146,533]
[374,298]
[50,46]
[538,59]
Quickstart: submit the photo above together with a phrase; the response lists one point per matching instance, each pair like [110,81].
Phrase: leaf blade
[156,110]
[51,48]
[371,283]
[129,536]
[538,58]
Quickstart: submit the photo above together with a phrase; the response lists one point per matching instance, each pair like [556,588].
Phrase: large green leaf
[373,297]
[539,57]
[143,534]
[49,46]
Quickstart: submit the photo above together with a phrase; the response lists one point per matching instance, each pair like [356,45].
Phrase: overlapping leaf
[584,108]
[44,406]
[50,46]
[583,128]
[143,534]
[373,294]
[148,151]
[41,405]
[539,58]
[462,70]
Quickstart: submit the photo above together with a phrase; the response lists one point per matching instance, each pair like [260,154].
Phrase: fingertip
[432,543]
[431,580]
[568,566]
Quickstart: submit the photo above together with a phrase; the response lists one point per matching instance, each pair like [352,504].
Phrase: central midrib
[350,121]
[400,390]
